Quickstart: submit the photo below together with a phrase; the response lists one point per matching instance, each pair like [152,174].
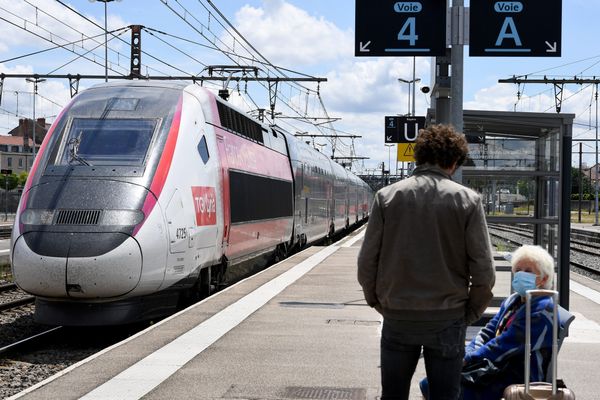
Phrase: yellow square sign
[406,151]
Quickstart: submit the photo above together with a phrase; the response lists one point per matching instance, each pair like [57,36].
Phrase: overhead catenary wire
[123,41]
[242,50]
[81,55]
[206,28]
[41,37]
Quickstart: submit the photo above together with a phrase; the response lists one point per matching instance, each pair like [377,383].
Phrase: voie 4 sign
[400,28]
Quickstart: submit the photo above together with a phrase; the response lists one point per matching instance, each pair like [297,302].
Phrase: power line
[82,55]
[41,37]
[119,54]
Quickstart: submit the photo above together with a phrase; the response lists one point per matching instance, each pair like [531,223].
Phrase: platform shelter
[521,164]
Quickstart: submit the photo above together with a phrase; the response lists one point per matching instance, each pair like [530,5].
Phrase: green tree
[22,177]
[576,175]
[525,188]
[9,182]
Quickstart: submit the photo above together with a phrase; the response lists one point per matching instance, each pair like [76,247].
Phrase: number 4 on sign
[410,26]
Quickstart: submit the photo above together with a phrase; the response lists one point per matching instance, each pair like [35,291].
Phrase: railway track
[12,297]
[26,344]
[590,270]
[580,250]
[5,231]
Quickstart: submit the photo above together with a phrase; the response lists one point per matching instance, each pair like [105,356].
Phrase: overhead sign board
[402,129]
[524,28]
[400,28]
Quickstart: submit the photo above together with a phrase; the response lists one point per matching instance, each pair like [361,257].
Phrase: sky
[306,37]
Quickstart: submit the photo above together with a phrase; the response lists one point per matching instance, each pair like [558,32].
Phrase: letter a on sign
[509,23]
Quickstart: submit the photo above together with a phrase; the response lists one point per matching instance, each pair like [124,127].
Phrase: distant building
[591,173]
[16,150]
[13,154]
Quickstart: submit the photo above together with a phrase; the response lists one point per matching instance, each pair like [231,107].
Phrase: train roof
[177,85]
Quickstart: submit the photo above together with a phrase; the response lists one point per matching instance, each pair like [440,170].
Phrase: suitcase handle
[528,297]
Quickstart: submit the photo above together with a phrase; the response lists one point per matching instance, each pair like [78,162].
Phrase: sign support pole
[457,62]
[6,197]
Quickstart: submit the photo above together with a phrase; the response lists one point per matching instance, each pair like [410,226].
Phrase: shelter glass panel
[508,237]
[550,195]
[549,159]
[549,239]
[494,152]
[505,196]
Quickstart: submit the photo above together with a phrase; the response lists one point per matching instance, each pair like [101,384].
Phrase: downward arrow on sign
[364,46]
[551,48]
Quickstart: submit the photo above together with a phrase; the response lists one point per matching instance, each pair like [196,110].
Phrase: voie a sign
[524,28]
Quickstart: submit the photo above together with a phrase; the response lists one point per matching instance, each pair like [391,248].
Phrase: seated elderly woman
[494,358]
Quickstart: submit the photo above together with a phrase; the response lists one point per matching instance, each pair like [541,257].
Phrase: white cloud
[371,85]
[290,36]
[359,90]
[17,98]
[533,98]
[49,24]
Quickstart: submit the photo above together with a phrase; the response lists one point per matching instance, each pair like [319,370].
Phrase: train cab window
[203,150]
[114,142]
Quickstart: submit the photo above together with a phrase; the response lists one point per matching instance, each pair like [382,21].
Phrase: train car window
[241,124]
[122,104]
[115,142]
[255,198]
[203,150]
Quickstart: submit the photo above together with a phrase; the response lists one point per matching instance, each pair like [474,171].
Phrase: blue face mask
[523,281]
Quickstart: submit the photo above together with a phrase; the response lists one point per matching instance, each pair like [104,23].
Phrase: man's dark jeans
[443,350]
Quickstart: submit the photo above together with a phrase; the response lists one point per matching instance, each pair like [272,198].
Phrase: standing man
[426,266]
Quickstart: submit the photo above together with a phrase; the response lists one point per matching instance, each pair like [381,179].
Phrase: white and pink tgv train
[144,194]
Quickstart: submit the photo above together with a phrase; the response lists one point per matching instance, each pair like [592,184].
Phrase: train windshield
[115,142]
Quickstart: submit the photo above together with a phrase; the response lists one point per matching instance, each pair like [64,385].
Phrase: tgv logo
[205,205]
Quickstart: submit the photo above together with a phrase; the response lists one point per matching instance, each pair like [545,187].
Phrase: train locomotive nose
[113,273]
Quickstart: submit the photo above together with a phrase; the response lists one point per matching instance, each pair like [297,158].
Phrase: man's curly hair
[440,145]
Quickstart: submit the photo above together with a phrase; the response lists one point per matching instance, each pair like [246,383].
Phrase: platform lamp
[389,146]
[596,166]
[35,82]
[408,112]
[105,35]
[413,82]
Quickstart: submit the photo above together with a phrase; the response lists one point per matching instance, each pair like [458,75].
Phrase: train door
[177,226]
[225,194]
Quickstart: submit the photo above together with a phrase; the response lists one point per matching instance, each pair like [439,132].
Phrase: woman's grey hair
[540,257]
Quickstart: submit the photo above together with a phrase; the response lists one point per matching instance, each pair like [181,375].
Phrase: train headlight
[122,217]
[37,217]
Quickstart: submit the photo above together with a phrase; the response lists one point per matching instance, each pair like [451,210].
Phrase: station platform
[586,227]
[298,330]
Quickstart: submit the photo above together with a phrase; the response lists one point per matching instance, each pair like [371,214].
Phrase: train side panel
[259,185]
[341,183]
[191,199]
[313,191]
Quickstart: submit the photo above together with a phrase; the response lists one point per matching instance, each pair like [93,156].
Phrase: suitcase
[539,390]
